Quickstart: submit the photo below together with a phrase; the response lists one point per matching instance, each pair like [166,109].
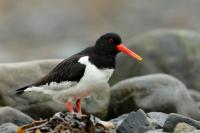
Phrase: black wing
[68,70]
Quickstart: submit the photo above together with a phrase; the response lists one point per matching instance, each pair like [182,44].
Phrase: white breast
[92,73]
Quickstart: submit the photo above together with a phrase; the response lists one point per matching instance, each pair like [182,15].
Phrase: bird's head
[111,44]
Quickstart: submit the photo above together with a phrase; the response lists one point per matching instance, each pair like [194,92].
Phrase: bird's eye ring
[110,40]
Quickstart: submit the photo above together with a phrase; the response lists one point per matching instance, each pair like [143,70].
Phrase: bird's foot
[78,110]
[78,105]
[69,105]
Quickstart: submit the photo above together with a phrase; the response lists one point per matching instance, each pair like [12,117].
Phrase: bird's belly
[96,75]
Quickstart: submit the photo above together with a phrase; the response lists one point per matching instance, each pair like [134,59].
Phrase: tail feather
[21,90]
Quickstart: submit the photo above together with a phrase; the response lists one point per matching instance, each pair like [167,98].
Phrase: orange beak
[127,51]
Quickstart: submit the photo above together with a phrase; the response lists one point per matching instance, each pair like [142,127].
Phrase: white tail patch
[52,88]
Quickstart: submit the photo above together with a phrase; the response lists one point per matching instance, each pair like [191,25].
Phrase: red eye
[110,40]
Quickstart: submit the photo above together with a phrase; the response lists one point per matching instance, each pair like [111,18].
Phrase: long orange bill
[127,51]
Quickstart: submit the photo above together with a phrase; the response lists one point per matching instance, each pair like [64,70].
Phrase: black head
[111,44]
[107,43]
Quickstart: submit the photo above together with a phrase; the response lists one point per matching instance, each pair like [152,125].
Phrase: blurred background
[166,33]
[36,29]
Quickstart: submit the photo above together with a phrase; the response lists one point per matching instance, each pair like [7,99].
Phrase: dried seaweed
[68,123]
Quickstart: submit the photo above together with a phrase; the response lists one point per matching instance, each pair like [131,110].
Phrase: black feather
[68,70]
[21,90]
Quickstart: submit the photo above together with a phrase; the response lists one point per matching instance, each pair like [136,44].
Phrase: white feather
[92,73]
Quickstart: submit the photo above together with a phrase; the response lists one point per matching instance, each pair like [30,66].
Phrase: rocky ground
[155,94]
[161,94]
[133,122]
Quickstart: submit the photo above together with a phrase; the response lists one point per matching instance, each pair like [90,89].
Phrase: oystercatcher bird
[93,64]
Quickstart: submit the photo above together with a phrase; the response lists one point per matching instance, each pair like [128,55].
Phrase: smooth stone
[118,121]
[152,93]
[136,122]
[159,117]
[8,114]
[8,128]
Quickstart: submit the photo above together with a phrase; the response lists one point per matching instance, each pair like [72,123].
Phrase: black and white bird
[93,64]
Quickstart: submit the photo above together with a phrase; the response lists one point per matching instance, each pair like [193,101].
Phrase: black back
[68,70]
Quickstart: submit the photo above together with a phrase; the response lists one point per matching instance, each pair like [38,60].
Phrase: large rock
[156,120]
[37,105]
[156,93]
[8,128]
[118,121]
[16,75]
[8,114]
[135,122]
[168,51]
[159,117]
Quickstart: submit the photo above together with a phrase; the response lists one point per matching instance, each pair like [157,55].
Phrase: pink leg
[78,105]
[69,105]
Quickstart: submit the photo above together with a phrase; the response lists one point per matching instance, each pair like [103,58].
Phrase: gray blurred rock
[152,93]
[8,128]
[16,75]
[195,95]
[136,122]
[174,119]
[159,117]
[155,120]
[8,114]
[118,121]
[37,105]
[167,51]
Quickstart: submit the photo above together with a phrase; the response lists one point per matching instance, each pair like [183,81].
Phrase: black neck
[103,61]
[100,59]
